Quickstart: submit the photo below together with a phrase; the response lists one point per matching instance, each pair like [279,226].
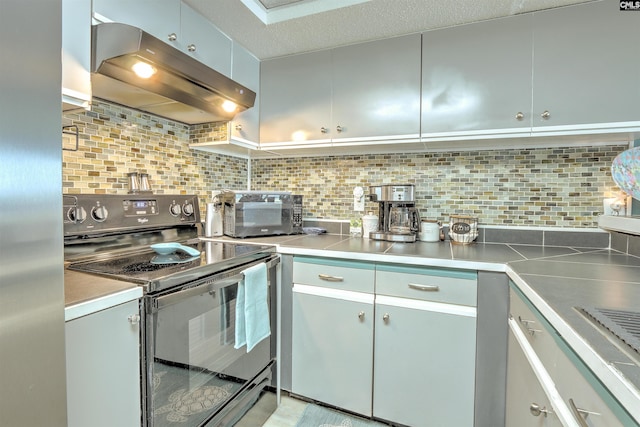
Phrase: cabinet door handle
[426,288]
[577,412]
[361,315]
[385,318]
[323,130]
[329,278]
[536,410]
[339,128]
[545,115]
[172,37]
[519,115]
[134,319]
[191,47]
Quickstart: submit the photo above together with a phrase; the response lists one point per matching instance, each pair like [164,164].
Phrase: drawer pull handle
[525,324]
[578,413]
[329,278]
[426,288]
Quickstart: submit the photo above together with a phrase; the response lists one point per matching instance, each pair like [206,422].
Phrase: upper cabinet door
[476,79]
[295,104]
[160,18]
[76,54]
[586,66]
[202,40]
[246,71]
[376,90]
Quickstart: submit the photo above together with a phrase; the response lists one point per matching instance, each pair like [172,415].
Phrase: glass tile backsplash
[545,187]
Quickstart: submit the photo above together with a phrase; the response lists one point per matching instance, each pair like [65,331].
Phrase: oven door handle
[211,288]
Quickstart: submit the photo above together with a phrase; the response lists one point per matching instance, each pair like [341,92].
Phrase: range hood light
[143,70]
[229,106]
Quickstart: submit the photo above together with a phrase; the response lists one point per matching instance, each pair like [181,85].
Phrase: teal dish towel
[252,308]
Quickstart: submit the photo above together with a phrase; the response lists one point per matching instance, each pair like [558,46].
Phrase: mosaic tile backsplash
[115,140]
[553,187]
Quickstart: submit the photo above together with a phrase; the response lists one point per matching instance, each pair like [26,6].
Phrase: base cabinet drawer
[330,273]
[433,284]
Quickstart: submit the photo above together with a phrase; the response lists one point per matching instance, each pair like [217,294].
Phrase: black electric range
[111,235]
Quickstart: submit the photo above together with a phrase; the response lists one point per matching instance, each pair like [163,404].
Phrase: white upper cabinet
[76,54]
[245,69]
[376,90]
[295,98]
[176,24]
[204,41]
[476,79]
[364,92]
[160,18]
[586,67]
[559,71]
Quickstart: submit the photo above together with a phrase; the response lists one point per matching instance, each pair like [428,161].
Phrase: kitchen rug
[318,416]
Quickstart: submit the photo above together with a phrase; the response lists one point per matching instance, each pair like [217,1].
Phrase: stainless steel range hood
[180,87]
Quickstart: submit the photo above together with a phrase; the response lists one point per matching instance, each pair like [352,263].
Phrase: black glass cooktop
[146,267]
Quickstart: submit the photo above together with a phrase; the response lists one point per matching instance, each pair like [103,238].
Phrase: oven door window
[192,366]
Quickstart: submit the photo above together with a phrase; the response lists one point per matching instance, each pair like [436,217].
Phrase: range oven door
[193,372]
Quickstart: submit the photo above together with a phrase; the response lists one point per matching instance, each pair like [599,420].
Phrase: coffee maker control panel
[392,193]
[402,193]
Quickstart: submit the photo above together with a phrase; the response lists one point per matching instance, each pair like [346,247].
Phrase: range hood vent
[180,88]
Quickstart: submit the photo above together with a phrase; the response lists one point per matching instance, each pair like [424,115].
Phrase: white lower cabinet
[424,363]
[528,405]
[103,368]
[425,346]
[333,347]
[548,385]
[332,342]
[421,369]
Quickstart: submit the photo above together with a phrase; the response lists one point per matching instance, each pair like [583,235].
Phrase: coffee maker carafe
[399,219]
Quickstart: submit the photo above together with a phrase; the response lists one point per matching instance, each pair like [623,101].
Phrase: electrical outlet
[358,199]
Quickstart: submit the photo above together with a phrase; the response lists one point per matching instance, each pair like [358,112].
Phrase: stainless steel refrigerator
[32,351]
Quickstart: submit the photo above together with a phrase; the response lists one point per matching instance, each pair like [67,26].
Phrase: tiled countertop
[555,278]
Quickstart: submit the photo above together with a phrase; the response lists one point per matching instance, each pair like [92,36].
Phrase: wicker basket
[463,229]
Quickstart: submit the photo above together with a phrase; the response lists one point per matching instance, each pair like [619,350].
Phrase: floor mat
[318,416]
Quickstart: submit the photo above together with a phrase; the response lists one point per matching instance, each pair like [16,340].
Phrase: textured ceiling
[372,20]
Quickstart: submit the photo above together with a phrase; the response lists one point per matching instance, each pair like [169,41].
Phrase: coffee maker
[398,217]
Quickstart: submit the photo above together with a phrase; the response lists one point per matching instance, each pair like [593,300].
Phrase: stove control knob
[99,213]
[187,209]
[175,209]
[77,214]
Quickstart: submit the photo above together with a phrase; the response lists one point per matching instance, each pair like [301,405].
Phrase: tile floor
[287,414]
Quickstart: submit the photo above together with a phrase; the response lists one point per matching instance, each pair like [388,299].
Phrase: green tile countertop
[556,279]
